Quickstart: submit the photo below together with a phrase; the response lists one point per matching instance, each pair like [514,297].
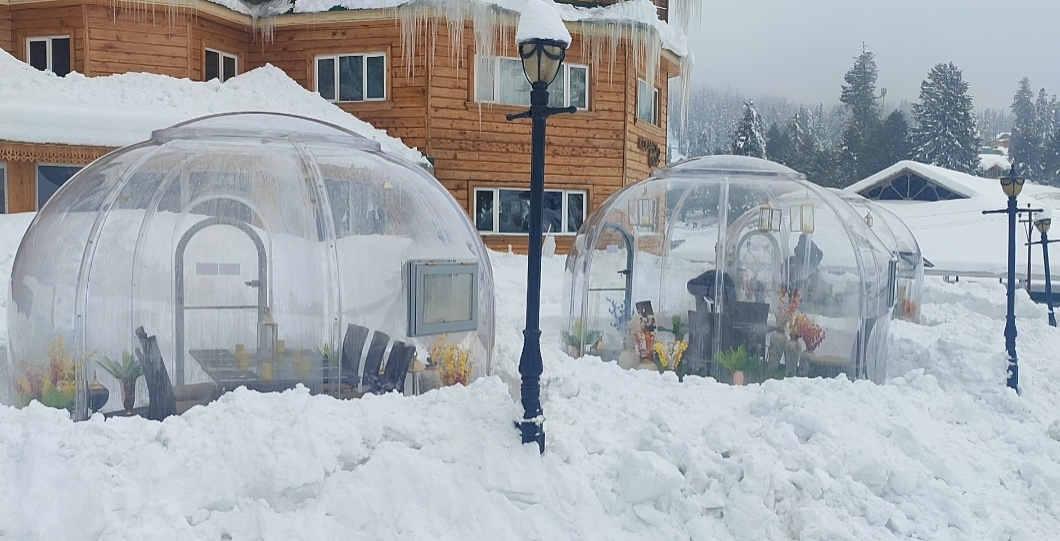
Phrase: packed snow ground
[943,451]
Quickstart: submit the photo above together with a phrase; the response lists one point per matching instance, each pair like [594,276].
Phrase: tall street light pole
[543,42]
[1042,223]
[1012,185]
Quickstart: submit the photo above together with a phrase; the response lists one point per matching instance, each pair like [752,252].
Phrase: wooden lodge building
[408,70]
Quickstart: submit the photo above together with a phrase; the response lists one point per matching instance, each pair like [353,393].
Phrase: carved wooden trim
[30,152]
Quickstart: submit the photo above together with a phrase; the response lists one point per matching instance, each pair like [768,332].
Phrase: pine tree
[1025,144]
[946,134]
[892,140]
[779,145]
[749,139]
[859,96]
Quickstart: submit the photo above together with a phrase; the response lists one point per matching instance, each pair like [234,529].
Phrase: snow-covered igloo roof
[253,249]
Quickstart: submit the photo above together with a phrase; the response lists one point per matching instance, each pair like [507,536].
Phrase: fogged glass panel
[645,102]
[575,211]
[579,87]
[514,88]
[557,90]
[514,211]
[485,75]
[326,78]
[447,298]
[376,67]
[552,212]
[50,178]
[351,78]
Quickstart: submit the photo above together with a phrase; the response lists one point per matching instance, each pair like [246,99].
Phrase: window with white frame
[3,184]
[49,53]
[501,80]
[220,66]
[647,102]
[507,211]
[50,178]
[352,77]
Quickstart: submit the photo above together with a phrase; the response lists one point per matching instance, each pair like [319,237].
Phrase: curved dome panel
[258,250]
[732,265]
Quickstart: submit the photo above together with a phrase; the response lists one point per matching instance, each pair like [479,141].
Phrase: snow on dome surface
[327,262]
[38,107]
[744,270]
[540,20]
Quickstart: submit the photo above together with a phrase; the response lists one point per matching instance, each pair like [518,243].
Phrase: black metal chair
[374,360]
[352,345]
[163,402]
[396,369]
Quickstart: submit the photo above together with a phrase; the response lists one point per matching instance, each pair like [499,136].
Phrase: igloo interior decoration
[731,267]
[897,236]
[250,249]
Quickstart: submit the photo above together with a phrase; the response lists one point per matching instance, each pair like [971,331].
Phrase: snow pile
[944,451]
[540,20]
[989,161]
[120,110]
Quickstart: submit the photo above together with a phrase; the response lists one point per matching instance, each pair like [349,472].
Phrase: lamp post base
[530,360]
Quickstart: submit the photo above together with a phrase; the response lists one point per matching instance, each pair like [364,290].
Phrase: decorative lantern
[802,217]
[769,218]
[868,219]
[267,333]
[642,212]
[1012,184]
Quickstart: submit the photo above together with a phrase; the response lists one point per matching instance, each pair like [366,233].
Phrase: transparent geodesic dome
[253,249]
[897,236]
[731,267]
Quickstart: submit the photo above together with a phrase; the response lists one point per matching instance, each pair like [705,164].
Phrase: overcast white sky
[800,49]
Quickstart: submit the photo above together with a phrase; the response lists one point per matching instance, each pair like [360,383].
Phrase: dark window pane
[351,78]
[557,90]
[575,211]
[229,67]
[213,65]
[49,179]
[552,213]
[38,54]
[514,211]
[376,66]
[3,189]
[61,56]
[326,78]
[484,210]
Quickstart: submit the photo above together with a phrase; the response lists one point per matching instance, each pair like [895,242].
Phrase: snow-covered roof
[120,110]
[955,235]
[959,183]
[540,20]
[990,161]
[630,13]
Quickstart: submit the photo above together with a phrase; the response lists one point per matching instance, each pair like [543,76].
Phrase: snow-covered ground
[943,451]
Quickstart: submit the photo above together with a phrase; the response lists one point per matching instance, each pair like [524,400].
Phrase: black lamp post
[542,60]
[1012,185]
[1042,223]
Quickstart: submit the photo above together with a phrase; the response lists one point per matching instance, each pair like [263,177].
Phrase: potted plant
[127,372]
[668,357]
[736,361]
[812,334]
[453,363]
[52,383]
[579,338]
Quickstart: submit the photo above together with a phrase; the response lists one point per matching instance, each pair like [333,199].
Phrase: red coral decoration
[812,334]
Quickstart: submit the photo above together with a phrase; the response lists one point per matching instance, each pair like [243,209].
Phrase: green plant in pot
[127,372]
[580,337]
[736,361]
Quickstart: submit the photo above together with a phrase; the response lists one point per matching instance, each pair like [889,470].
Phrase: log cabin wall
[299,39]
[124,39]
[5,29]
[475,147]
[49,19]
[20,161]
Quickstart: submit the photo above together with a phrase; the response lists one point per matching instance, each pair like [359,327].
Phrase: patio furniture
[396,369]
[374,360]
[162,401]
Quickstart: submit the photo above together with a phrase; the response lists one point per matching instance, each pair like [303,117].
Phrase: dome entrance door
[222,288]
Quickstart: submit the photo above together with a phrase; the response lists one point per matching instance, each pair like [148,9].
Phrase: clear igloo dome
[805,287]
[894,233]
[250,249]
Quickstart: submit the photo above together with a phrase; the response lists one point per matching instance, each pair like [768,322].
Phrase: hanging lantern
[642,212]
[868,219]
[769,218]
[802,217]
[267,334]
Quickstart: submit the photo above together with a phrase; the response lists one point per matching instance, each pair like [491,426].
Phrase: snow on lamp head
[1044,220]
[1012,183]
[543,42]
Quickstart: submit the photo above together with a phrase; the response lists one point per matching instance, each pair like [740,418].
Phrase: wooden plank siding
[49,19]
[6,35]
[22,160]
[403,114]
